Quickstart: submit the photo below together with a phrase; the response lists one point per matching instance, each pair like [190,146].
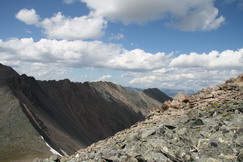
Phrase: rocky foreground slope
[207,126]
[66,116]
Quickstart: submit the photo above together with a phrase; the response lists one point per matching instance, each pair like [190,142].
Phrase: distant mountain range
[41,117]
[170,92]
[173,92]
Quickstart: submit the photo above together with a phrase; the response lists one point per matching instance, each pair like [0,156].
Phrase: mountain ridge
[156,94]
[70,116]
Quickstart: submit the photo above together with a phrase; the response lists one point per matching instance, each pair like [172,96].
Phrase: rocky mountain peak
[6,72]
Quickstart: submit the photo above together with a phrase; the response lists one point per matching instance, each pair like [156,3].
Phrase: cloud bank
[214,60]
[52,58]
[104,78]
[80,54]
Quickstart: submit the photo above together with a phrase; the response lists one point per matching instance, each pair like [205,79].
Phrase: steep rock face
[156,94]
[70,116]
[207,127]
[19,140]
[84,113]
[45,114]
[140,102]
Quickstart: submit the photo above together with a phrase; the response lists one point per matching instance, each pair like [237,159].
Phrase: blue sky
[189,44]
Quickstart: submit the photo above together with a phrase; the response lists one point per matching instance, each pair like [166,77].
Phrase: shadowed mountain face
[156,94]
[69,116]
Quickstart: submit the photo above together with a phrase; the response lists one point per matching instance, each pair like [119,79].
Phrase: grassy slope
[18,139]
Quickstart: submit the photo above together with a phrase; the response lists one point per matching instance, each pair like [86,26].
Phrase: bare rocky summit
[207,126]
[66,116]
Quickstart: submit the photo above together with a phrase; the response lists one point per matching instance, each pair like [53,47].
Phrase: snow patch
[51,149]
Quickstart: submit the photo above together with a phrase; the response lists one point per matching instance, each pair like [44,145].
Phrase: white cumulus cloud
[104,78]
[138,60]
[28,16]
[182,78]
[192,71]
[186,15]
[52,59]
[62,27]
[203,18]
[89,54]
[144,79]
[215,60]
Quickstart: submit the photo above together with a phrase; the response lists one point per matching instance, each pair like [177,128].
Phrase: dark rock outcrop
[140,102]
[68,115]
[156,94]
[6,72]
